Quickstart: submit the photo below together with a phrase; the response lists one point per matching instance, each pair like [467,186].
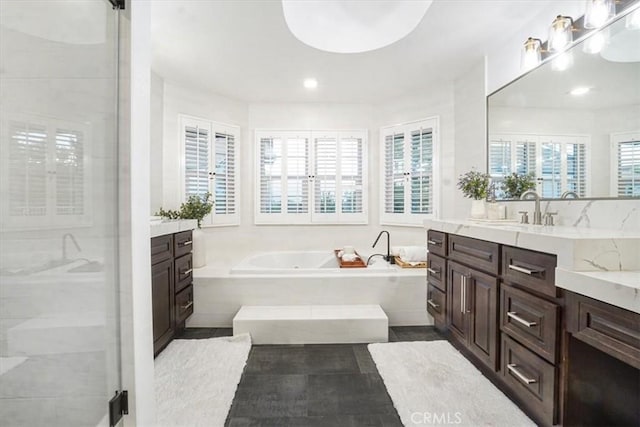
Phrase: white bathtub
[307,278]
[309,262]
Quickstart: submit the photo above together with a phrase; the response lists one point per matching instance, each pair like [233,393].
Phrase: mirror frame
[623,8]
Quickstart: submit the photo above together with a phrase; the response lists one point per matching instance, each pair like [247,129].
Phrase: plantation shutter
[525,156]
[499,157]
[297,172]
[551,170]
[422,171]
[196,160]
[27,170]
[352,153]
[576,169]
[394,173]
[628,168]
[408,172]
[326,174]
[270,175]
[70,172]
[224,174]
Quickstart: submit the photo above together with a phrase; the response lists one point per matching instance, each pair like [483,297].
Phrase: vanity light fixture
[531,54]
[598,13]
[560,33]
[580,90]
[310,83]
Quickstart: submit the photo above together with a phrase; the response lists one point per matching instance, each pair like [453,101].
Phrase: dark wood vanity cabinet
[437,289]
[171,286]
[472,311]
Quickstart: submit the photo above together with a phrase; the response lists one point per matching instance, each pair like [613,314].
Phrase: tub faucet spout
[387,257]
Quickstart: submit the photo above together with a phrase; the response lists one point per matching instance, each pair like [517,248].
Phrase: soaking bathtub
[307,278]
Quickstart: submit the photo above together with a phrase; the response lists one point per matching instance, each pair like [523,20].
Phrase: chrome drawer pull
[433,304]
[523,270]
[432,271]
[462,286]
[188,306]
[187,243]
[184,273]
[512,367]
[514,316]
[434,242]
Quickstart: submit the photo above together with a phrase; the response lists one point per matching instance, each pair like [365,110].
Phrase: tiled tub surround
[598,263]
[219,294]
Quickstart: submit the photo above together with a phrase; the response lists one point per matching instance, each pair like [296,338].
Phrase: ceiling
[243,49]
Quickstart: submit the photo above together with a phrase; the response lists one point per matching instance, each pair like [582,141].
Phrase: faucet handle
[524,219]
[548,218]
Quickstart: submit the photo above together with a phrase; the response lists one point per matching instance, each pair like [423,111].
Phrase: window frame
[213,219]
[407,218]
[51,219]
[310,217]
[616,139]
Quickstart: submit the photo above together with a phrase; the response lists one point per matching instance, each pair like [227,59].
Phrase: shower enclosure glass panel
[59,309]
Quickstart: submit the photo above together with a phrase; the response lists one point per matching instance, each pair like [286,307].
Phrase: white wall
[156,143]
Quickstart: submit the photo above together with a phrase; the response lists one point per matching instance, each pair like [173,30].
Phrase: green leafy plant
[514,185]
[196,207]
[474,185]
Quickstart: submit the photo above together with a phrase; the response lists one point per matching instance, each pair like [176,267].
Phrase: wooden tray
[407,265]
[359,263]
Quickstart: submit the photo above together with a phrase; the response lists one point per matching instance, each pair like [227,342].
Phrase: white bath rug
[431,383]
[196,380]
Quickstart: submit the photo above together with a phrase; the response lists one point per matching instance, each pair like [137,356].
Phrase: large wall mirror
[574,131]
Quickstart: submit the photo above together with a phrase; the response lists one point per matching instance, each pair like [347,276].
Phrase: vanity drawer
[437,242]
[161,248]
[532,379]
[437,271]
[531,320]
[532,270]
[182,243]
[436,304]
[184,271]
[611,329]
[184,304]
[479,254]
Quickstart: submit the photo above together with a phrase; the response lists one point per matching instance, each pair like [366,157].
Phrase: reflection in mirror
[576,130]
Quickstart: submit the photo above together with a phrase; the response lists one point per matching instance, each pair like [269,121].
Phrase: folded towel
[395,250]
[413,253]
[349,257]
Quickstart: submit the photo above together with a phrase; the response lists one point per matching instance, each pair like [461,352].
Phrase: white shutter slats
[408,164]
[224,174]
[69,146]
[27,170]
[628,165]
[196,148]
[311,177]
[576,169]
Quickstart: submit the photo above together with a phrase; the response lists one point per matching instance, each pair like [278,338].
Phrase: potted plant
[475,185]
[196,207]
[514,185]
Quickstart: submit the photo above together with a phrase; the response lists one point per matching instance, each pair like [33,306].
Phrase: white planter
[478,209]
[199,248]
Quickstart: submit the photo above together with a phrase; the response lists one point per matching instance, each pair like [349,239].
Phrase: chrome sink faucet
[569,195]
[537,214]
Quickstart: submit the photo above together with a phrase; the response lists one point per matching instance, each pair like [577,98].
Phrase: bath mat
[196,380]
[431,383]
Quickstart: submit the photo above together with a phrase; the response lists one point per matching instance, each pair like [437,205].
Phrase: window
[626,164]
[47,173]
[558,162]
[409,183]
[311,177]
[210,153]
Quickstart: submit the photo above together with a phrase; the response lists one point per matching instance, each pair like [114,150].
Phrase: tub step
[312,324]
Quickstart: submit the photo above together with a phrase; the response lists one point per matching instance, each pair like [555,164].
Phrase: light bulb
[560,33]
[530,54]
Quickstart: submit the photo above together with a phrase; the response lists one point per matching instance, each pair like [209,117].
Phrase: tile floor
[334,385]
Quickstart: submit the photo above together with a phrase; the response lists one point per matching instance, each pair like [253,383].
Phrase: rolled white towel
[413,253]
[349,257]
[395,250]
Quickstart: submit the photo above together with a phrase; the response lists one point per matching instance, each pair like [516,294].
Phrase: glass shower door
[59,297]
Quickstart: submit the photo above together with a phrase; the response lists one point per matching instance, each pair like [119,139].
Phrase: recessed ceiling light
[310,83]
[580,90]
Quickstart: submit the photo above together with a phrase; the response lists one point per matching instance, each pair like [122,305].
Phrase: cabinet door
[162,289]
[482,300]
[456,310]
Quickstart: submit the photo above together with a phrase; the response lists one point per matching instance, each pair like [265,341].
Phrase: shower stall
[59,194]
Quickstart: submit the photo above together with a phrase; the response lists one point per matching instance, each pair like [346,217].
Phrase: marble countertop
[598,263]
[619,288]
[172,226]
